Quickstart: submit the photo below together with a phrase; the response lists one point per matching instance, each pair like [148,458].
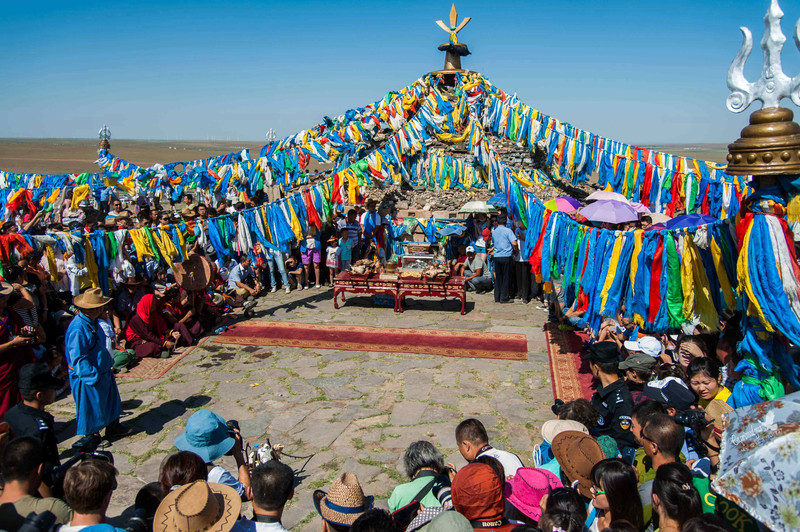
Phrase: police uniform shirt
[614,402]
[25,420]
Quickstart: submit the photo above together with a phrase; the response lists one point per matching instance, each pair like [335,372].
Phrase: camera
[41,522]
[84,449]
[695,421]
[556,408]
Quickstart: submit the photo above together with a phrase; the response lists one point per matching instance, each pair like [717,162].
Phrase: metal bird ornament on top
[770,145]
[455,50]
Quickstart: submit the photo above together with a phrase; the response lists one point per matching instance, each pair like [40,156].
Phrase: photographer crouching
[210,437]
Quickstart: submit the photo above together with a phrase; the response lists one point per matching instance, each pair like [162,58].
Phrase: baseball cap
[486,233]
[37,376]
[470,249]
[671,392]
[603,352]
[646,344]
[639,361]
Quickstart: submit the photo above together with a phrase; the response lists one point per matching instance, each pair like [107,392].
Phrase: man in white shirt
[273,486]
[238,276]
[473,442]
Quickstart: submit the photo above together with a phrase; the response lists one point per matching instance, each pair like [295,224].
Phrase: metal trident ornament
[104,133]
[773,85]
[453,29]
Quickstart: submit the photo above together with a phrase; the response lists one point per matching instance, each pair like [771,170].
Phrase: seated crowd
[646,474]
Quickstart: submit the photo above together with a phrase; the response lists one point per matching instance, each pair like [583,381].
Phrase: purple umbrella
[615,212]
[690,220]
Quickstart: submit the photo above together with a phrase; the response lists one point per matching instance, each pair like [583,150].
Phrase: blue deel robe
[94,386]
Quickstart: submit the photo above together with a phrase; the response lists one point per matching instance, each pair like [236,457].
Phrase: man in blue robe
[94,387]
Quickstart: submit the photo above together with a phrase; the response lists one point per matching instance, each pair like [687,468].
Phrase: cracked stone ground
[355,411]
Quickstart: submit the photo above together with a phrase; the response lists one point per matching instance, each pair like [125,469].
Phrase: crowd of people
[582,478]
[638,456]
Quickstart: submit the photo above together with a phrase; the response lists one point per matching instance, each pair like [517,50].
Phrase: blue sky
[634,70]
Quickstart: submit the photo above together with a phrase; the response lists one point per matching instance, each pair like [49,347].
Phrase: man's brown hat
[198,506]
[92,298]
[194,273]
[577,453]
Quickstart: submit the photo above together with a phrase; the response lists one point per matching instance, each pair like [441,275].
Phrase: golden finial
[455,50]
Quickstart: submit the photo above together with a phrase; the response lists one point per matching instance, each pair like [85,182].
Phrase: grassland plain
[56,156]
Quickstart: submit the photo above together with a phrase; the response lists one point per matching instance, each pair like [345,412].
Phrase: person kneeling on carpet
[148,333]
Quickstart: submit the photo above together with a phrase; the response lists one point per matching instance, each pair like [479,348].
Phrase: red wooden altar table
[398,288]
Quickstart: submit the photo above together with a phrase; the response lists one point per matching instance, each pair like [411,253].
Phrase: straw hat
[577,454]
[92,298]
[345,501]
[198,506]
[194,273]
[715,409]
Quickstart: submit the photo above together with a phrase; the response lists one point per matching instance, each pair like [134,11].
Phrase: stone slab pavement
[353,411]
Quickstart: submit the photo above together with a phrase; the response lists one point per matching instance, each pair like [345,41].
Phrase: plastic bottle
[254,455]
[220,330]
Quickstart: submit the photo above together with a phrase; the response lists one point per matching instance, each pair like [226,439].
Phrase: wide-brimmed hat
[715,409]
[344,502]
[528,487]
[206,435]
[194,273]
[477,492]
[577,454]
[554,427]
[5,288]
[198,506]
[92,298]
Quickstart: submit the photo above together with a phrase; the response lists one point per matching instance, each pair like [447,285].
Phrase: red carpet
[571,376]
[382,339]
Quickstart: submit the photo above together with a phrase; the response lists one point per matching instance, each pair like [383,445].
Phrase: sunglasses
[650,440]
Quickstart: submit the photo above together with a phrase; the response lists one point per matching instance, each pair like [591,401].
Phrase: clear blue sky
[634,70]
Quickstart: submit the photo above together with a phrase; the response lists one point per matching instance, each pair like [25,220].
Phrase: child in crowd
[345,249]
[295,269]
[332,257]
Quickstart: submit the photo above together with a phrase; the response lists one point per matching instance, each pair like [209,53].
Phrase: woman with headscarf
[148,333]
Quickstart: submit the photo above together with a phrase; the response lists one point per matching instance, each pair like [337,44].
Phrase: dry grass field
[58,156]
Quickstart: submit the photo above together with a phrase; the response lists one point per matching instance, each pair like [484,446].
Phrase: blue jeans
[478,283]
[275,260]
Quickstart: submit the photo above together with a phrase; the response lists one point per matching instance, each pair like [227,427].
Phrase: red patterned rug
[155,368]
[571,376]
[382,339]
